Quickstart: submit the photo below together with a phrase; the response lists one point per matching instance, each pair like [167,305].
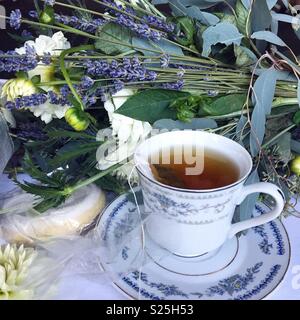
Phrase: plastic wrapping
[20,223]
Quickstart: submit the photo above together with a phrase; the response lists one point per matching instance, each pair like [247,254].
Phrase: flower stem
[65,72]
[83,183]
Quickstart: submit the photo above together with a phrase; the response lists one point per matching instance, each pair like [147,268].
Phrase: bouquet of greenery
[101,73]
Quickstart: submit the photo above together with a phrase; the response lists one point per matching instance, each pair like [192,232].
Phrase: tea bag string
[142,229]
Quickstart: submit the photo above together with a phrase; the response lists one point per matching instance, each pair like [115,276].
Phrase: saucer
[246,268]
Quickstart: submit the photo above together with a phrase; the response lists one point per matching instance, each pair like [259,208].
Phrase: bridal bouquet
[91,79]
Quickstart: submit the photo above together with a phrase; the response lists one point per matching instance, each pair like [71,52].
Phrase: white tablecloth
[99,287]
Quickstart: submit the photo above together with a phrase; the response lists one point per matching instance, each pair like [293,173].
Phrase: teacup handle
[261,187]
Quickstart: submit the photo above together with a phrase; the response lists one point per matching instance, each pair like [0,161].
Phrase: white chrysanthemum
[47,111]
[15,88]
[47,45]
[14,266]
[126,134]
[54,46]
[124,128]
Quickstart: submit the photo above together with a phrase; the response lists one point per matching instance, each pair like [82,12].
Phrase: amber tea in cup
[217,169]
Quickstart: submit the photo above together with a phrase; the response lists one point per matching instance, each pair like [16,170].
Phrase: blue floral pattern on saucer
[257,269]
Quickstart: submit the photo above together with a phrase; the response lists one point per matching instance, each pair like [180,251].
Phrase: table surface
[97,286]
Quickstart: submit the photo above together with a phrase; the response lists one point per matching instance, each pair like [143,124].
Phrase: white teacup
[194,222]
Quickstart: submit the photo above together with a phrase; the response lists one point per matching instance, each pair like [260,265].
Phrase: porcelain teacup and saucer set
[182,243]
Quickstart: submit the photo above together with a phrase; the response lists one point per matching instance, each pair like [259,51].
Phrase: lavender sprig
[36,99]
[14,62]
[82,24]
[15,19]
[128,70]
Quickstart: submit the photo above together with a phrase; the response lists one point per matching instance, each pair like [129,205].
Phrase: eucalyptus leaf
[178,9]
[151,105]
[274,26]
[295,146]
[224,33]
[239,131]
[116,33]
[246,3]
[264,89]
[206,18]
[258,128]
[261,16]
[247,206]
[271,3]
[284,148]
[194,124]
[284,17]
[268,36]
[298,92]
[164,46]
[202,4]
[280,74]
[6,144]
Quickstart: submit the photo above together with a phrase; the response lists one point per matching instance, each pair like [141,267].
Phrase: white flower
[47,45]
[126,134]
[54,46]
[48,111]
[126,130]
[14,267]
[15,88]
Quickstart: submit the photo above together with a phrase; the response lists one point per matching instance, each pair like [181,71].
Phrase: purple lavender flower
[178,85]
[126,19]
[16,62]
[212,93]
[31,130]
[159,23]
[46,59]
[26,34]
[165,61]
[36,99]
[142,29]
[15,19]
[82,24]
[33,14]
[86,83]
[128,70]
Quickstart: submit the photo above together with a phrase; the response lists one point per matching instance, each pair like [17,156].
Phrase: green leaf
[296,118]
[225,105]
[112,32]
[69,134]
[298,92]
[151,105]
[224,33]
[258,128]
[242,17]
[261,16]
[244,56]
[6,144]
[268,36]
[264,89]
[194,124]
[263,95]
[247,206]
[203,17]
[72,151]
[185,30]
[162,45]
[295,146]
